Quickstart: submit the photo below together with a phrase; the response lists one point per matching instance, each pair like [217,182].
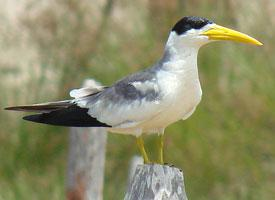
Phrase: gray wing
[127,103]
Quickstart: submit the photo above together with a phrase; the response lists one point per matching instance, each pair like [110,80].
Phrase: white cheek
[203,39]
[192,32]
[197,39]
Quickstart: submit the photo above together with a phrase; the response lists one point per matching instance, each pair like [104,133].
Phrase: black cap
[190,22]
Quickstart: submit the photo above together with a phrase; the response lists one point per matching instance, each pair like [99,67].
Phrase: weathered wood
[156,182]
[135,161]
[86,162]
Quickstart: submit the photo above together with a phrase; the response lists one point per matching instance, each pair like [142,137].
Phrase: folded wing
[127,103]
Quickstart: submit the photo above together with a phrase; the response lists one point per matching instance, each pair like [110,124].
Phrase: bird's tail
[42,107]
[61,113]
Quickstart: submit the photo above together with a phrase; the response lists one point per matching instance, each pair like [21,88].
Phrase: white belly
[181,105]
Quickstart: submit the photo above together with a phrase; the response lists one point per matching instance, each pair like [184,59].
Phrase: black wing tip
[32,118]
[72,116]
[37,118]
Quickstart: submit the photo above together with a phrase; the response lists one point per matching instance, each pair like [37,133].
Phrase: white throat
[180,48]
[180,54]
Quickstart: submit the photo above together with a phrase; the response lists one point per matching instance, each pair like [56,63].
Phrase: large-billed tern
[148,101]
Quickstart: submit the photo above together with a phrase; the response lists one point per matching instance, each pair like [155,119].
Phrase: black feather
[191,22]
[73,116]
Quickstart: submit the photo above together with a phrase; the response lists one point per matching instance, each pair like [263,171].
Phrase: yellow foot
[160,149]
[142,150]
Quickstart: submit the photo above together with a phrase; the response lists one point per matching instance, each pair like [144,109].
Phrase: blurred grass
[226,148]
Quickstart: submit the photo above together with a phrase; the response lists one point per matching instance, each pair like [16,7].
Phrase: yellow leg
[142,150]
[160,149]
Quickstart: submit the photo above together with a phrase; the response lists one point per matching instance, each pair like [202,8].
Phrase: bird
[148,101]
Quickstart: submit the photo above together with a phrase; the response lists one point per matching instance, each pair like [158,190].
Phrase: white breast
[181,94]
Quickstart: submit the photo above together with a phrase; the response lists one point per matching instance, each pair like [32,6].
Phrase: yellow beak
[221,33]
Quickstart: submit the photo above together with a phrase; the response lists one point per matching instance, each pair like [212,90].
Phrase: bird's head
[197,31]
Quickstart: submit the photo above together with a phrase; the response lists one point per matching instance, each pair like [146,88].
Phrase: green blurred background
[226,149]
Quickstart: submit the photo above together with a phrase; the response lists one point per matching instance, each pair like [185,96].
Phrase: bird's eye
[199,24]
[188,26]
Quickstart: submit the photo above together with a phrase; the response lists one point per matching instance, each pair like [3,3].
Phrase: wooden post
[135,161]
[86,162]
[156,182]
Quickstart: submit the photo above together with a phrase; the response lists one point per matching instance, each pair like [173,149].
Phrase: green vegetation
[226,148]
